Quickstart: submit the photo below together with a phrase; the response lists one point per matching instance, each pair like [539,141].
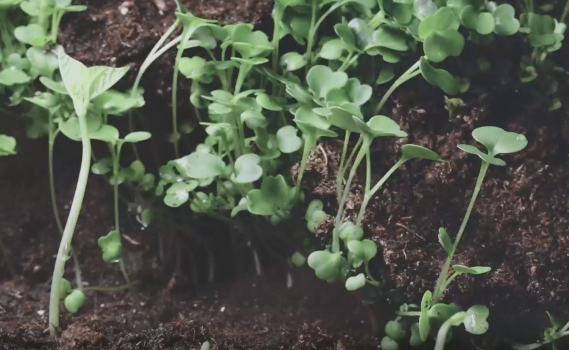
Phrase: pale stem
[444,273]
[339,178]
[369,194]
[175,92]
[65,245]
[309,145]
[339,215]
[409,74]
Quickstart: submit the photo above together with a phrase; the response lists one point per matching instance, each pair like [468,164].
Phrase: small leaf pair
[497,141]
[315,215]
[111,246]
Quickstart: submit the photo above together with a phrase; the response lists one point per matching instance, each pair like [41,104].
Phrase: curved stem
[175,92]
[369,194]
[444,273]
[565,12]
[409,74]
[278,15]
[52,137]
[112,289]
[311,31]
[339,215]
[65,245]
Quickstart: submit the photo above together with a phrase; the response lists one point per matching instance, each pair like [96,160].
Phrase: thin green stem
[347,165]
[112,289]
[52,136]
[5,30]
[311,31]
[348,63]
[369,194]
[368,171]
[66,240]
[175,92]
[152,56]
[409,313]
[278,14]
[115,154]
[340,213]
[444,273]
[340,176]
[409,74]
[345,63]
[309,145]
[565,12]
[314,28]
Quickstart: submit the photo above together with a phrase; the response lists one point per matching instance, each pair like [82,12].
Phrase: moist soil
[519,226]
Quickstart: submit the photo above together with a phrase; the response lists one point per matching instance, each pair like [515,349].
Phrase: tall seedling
[83,84]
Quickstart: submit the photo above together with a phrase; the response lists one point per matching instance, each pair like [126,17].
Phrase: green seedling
[315,215]
[111,246]
[83,84]
[550,335]
[74,301]
[497,141]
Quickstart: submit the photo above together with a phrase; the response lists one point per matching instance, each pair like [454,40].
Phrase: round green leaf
[440,45]
[268,102]
[499,141]
[293,61]
[357,92]
[74,301]
[320,79]
[103,166]
[506,22]
[389,344]
[7,145]
[443,312]
[443,20]
[106,133]
[485,157]
[64,289]
[32,34]
[356,282]
[111,246]
[439,77]
[476,321]
[11,77]
[343,117]
[396,330]
[314,206]
[415,340]
[326,265]
[71,129]
[200,165]
[43,63]
[192,68]
[316,219]
[333,49]
[249,43]
[349,232]
[137,136]
[247,169]
[287,140]
[345,34]
[419,152]
[364,250]
[307,115]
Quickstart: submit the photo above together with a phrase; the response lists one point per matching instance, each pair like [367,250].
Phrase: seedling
[497,141]
[550,335]
[83,85]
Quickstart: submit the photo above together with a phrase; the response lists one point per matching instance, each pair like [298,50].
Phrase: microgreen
[497,141]
[7,145]
[83,84]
